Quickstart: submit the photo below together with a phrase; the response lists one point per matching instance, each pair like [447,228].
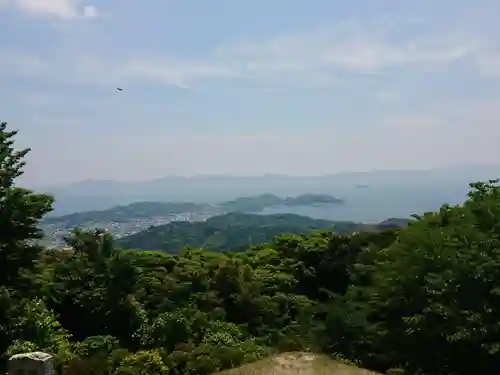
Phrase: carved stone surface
[35,363]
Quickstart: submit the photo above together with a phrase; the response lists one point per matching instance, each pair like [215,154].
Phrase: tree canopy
[231,232]
[422,299]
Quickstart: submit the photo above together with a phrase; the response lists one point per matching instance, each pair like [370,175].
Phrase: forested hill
[232,232]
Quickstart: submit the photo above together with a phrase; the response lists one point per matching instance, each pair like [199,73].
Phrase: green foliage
[143,362]
[424,299]
[20,212]
[231,232]
[94,346]
[432,303]
[220,233]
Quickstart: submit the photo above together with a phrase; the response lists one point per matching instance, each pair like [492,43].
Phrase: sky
[248,87]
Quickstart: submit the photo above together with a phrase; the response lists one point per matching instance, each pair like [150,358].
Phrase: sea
[375,204]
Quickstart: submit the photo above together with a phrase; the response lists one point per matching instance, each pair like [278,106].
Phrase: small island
[258,203]
[312,199]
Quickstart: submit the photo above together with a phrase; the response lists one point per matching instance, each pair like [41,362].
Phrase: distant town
[55,232]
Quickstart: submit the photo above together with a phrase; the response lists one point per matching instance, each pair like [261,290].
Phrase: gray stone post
[35,363]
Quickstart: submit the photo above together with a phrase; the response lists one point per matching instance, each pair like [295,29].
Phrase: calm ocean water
[372,204]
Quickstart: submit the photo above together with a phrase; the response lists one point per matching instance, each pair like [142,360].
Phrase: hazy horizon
[387,190]
[456,168]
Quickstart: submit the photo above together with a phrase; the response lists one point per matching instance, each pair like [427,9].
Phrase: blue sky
[224,86]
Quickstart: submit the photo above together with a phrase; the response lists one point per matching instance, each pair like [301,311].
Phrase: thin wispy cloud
[352,47]
[355,47]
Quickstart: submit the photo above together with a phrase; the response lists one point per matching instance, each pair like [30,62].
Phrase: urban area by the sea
[55,232]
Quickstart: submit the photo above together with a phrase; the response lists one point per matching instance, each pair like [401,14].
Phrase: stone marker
[35,363]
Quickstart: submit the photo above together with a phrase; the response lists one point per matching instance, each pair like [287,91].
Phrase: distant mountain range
[383,193]
[238,231]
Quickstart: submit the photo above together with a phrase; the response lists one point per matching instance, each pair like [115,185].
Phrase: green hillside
[230,232]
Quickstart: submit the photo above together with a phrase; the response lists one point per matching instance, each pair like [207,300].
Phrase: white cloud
[62,9]
[322,53]
[90,11]
[315,56]
[176,73]
[354,47]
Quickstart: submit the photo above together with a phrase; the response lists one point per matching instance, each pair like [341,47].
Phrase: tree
[432,304]
[142,363]
[97,243]
[35,327]
[20,212]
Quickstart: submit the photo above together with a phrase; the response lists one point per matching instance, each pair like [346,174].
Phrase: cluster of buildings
[55,232]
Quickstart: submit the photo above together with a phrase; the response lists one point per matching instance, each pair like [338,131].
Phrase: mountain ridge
[462,168]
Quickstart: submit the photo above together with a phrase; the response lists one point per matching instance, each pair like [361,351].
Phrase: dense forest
[237,232]
[423,299]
